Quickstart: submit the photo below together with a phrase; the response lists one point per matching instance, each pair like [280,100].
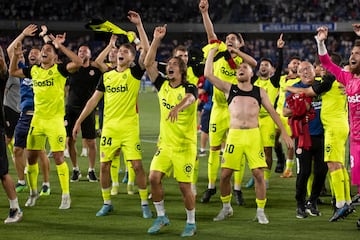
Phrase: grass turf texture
[46,221]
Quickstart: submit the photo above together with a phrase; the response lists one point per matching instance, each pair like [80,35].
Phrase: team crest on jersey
[124,76]
[50,72]
[91,72]
[179,97]
[138,147]
[328,148]
[188,168]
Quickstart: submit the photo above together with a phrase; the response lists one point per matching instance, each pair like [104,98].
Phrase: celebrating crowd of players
[251,110]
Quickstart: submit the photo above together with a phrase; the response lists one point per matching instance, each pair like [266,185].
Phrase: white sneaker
[84,153]
[261,217]
[114,190]
[30,202]
[65,201]
[224,213]
[15,215]
[66,153]
[130,189]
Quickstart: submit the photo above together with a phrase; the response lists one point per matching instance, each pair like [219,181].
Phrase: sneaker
[114,190]
[30,202]
[105,209]
[207,195]
[279,167]
[125,179]
[239,197]
[202,153]
[250,183]
[91,176]
[159,222]
[76,175]
[189,230]
[224,213]
[20,187]
[261,218]
[312,210]
[15,215]
[286,174]
[300,213]
[340,213]
[45,190]
[66,153]
[65,202]
[355,201]
[350,210]
[146,211]
[130,189]
[84,153]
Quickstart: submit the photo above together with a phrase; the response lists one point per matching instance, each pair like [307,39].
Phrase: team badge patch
[91,72]
[138,147]
[328,148]
[188,168]
[179,97]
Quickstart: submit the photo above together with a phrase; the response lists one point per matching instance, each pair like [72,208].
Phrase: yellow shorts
[42,129]
[218,126]
[267,131]
[180,159]
[335,143]
[128,140]
[240,143]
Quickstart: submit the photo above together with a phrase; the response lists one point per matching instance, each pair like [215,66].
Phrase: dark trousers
[305,162]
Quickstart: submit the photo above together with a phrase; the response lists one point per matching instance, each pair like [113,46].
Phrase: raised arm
[321,36]
[209,28]
[246,57]
[29,31]
[100,60]
[76,61]
[275,79]
[14,69]
[150,63]
[135,18]
[356,28]
[209,74]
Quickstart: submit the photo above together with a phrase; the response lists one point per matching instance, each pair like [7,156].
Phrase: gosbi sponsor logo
[45,83]
[227,72]
[121,88]
[165,104]
[354,99]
